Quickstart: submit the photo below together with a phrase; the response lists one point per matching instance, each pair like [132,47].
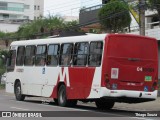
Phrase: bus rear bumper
[128,94]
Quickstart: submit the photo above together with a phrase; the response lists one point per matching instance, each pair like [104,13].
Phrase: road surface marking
[19,108]
[141,118]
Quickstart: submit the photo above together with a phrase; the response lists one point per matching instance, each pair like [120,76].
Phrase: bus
[100,68]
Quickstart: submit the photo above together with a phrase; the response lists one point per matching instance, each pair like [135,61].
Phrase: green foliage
[114,16]
[44,25]
[39,26]
[2,70]
[2,86]
[2,67]
[2,34]
[155,5]
[3,59]
[154,2]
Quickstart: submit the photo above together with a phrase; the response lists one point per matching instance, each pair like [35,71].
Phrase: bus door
[37,71]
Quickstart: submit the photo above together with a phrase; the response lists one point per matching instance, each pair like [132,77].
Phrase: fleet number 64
[139,69]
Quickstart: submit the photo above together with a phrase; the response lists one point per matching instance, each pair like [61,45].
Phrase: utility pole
[142,17]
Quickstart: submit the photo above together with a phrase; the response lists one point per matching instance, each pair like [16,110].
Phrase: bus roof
[90,37]
[82,38]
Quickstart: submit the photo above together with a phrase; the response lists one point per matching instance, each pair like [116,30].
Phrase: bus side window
[20,56]
[95,54]
[52,55]
[40,58]
[66,54]
[29,55]
[11,61]
[80,54]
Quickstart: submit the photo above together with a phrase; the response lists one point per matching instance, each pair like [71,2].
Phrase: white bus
[101,68]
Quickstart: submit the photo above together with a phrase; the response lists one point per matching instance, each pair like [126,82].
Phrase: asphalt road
[45,107]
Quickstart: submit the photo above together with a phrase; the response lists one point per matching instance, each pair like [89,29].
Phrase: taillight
[107,82]
[155,84]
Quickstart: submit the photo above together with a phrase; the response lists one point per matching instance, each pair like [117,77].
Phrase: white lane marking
[137,118]
[48,105]
[129,108]
[19,108]
[141,118]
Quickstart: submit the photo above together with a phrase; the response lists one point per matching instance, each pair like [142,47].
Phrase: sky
[62,7]
[67,7]
[70,7]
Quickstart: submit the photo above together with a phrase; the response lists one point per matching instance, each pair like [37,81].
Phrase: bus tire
[62,96]
[18,92]
[103,104]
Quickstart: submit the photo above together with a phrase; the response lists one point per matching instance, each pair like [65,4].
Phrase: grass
[2,86]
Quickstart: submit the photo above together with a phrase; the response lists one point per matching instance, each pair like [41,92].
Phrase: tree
[3,60]
[2,34]
[114,16]
[155,5]
[40,28]
[43,26]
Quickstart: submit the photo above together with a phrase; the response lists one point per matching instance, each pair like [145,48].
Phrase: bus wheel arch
[62,97]
[18,91]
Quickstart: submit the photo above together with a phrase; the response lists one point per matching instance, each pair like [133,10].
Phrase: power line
[67,9]
[33,13]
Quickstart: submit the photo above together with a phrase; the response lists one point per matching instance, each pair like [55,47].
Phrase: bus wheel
[62,97]
[18,94]
[104,104]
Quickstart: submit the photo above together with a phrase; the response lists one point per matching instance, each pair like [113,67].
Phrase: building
[70,18]
[89,12]
[15,12]
[38,8]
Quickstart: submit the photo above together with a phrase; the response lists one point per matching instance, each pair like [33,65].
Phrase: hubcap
[18,91]
[62,96]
